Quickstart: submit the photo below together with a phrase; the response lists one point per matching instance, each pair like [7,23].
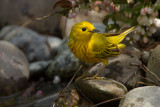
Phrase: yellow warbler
[92,47]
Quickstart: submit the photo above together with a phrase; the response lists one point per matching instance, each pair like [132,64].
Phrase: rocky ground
[34,68]
[36,65]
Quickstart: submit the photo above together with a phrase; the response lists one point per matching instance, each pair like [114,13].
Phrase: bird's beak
[94,31]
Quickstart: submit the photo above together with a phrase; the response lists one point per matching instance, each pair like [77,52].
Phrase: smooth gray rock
[14,70]
[148,96]
[99,90]
[38,67]
[63,46]
[20,11]
[154,65]
[121,70]
[31,43]
[64,65]
[46,101]
[145,56]
[43,102]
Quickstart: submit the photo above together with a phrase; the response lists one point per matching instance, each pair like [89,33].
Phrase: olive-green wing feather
[101,47]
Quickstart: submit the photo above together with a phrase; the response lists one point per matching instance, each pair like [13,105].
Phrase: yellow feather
[92,47]
[118,38]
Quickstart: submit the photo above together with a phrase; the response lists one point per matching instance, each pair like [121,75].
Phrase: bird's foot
[94,77]
[84,75]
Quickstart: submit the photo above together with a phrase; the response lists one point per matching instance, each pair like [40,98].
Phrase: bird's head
[82,31]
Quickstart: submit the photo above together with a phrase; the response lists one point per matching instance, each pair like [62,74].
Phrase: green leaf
[105,20]
[120,16]
[110,27]
[137,7]
[119,1]
[133,21]
[157,7]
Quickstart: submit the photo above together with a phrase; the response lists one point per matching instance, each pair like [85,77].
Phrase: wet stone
[99,90]
[71,98]
[154,65]
[148,96]
[14,69]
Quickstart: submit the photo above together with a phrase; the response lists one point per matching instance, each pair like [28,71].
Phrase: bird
[90,46]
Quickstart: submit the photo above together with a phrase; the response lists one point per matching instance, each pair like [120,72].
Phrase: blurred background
[34,54]
[35,62]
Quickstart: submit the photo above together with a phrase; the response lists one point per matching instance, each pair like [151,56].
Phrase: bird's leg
[85,73]
[96,75]
[99,71]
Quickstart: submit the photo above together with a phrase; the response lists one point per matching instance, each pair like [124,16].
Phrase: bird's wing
[101,47]
[110,34]
[116,38]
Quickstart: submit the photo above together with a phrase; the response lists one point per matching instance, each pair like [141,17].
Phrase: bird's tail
[117,39]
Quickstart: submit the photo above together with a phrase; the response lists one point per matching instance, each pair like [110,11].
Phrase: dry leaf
[63,4]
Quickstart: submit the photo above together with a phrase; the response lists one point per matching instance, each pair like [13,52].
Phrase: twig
[28,22]
[3,35]
[18,29]
[152,46]
[74,76]
[61,91]
[145,83]
[134,64]
[107,101]
[147,79]
[146,69]
[123,51]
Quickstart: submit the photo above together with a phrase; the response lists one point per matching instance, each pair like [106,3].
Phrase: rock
[155,35]
[71,99]
[121,70]
[100,26]
[14,70]
[145,56]
[63,46]
[38,67]
[154,65]
[46,101]
[25,10]
[99,90]
[148,96]
[31,43]
[64,65]
[56,80]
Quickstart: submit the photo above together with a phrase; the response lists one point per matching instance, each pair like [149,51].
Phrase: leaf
[110,27]
[157,7]
[63,4]
[120,16]
[134,21]
[105,20]
[64,12]
[119,1]
[137,7]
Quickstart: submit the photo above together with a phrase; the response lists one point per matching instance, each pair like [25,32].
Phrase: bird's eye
[84,29]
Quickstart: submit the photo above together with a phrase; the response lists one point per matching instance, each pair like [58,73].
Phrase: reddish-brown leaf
[63,4]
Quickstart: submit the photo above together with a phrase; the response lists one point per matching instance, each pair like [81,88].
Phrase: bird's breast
[83,52]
